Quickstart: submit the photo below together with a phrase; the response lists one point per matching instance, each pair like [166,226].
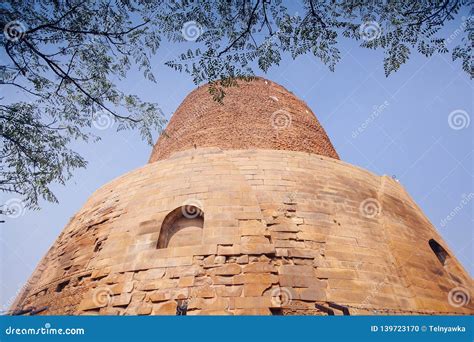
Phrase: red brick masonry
[255,115]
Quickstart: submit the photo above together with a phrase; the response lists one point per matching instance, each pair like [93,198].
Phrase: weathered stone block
[311,236]
[144,310]
[100,273]
[91,303]
[218,303]
[222,280]
[159,296]
[213,313]
[118,278]
[228,250]
[149,285]
[168,308]
[243,259]
[194,250]
[253,302]
[259,267]
[284,236]
[289,244]
[300,281]
[121,300]
[313,294]
[335,273]
[183,271]
[186,281]
[257,249]
[254,231]
[281,252]
[229,291]
[209,260]
[253,312]
[146,227]
[255,278]
[348,296]
[255,290]
[299,270]
[303,253]
[122,288]
[203,292]
[226,269]
[148,260]
[288,227]
[220,259]
[245,240]
[110,311]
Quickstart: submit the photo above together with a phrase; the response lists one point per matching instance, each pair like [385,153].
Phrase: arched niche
[182,227]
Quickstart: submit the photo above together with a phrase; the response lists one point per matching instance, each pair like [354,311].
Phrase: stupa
[246,209]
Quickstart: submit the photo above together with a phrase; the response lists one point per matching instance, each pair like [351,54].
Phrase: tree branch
[245,32]
[61,73]
[94,32]
[313,12]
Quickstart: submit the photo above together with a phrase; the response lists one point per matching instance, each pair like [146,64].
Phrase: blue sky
[396,126]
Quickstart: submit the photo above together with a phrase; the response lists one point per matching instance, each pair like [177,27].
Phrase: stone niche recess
[182,227]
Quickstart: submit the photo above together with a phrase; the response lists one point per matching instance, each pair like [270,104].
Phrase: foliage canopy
[66,57]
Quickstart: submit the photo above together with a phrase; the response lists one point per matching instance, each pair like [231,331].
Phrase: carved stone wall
[281,232]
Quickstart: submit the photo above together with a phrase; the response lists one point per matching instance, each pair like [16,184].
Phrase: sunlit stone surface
[245,208]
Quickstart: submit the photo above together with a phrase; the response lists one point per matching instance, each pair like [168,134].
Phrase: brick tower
[245,208]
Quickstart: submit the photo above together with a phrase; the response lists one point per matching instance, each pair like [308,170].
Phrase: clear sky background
[409,137]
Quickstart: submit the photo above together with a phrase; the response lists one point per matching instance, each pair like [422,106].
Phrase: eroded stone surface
[281,230]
